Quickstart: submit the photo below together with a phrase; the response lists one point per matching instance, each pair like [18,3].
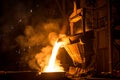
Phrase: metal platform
[31,75]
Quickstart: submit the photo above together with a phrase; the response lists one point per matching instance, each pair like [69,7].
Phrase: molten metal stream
[52,66]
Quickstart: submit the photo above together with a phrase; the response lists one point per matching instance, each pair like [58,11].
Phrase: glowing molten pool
[53,66]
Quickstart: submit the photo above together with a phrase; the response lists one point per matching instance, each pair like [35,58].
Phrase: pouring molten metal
[53,66]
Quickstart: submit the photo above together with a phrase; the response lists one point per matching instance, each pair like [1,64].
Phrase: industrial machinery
[79,43]
[92,44]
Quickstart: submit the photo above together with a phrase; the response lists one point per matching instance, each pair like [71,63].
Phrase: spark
[31,10]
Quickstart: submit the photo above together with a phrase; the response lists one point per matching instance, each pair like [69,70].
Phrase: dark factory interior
[59,39]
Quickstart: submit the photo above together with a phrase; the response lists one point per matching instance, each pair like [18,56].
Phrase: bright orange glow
[53,66]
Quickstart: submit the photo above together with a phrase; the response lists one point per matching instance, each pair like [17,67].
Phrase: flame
[53,66]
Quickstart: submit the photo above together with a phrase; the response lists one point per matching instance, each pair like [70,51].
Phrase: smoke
[36,43]
[44,56]
[30,38]
[27,32]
